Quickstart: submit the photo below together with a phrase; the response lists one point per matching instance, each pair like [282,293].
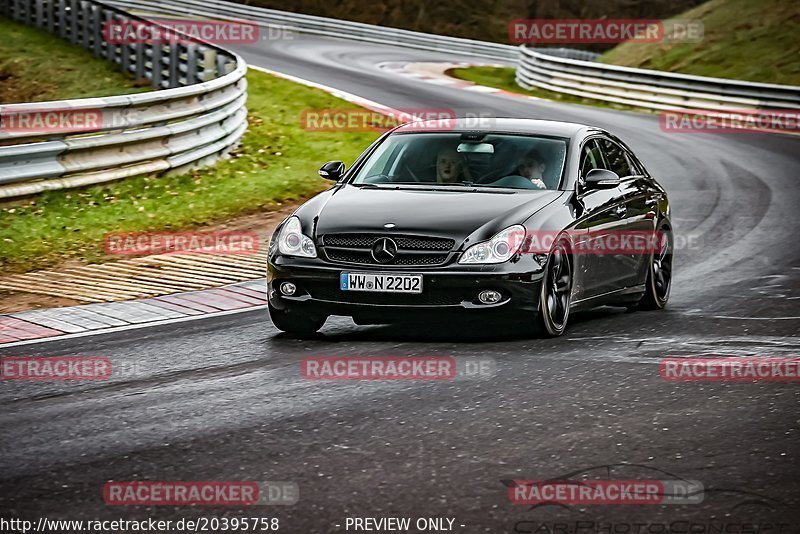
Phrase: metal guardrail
[647,89]
[197,116]
[310,24]
[560,70]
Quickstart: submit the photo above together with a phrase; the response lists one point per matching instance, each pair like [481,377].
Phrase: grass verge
[753,40]
[36,66]
[276,162]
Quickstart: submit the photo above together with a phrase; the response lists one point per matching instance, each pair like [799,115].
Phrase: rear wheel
[659,275]
[554,299]
[294,323]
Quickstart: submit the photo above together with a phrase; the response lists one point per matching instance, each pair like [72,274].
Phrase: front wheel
[299,325]
[554,299]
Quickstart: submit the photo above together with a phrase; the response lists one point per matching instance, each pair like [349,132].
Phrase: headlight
[498,249]
[292,242]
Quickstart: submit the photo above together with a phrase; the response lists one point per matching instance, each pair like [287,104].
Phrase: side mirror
[601,179]
[333,170]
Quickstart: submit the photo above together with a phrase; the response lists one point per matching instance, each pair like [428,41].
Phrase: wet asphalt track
[222,398]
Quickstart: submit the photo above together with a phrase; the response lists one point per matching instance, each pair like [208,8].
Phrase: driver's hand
[538,183]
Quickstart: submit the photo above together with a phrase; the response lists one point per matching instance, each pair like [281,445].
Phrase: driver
[532,166]
[450,166]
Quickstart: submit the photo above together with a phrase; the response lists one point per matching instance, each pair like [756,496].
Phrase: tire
[659,272]
[296,324]
[555,293]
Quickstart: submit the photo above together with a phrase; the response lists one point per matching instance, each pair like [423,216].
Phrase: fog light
[489,296]
[288,288]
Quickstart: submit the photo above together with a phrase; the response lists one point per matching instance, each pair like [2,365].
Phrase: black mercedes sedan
[514,220]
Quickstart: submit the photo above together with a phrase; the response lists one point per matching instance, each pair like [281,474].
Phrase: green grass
[503,78]
[754,40]
[277,162]
[36,66]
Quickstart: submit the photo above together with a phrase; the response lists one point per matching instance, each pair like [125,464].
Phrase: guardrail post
[125,57]
[174,64]
[62,19]
[97,31]
[111,48]
[25,9]
[158,65]
[209,64]
[39,18]
[191,63]
[73,22]
[87,17]
[221,69]
[140,62]
[49,16]
[108,19]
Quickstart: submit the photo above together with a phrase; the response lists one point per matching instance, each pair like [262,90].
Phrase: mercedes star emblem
[384,250]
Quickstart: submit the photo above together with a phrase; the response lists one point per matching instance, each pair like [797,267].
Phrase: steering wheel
[529,184]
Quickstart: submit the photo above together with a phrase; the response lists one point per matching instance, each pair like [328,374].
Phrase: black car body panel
[458,214]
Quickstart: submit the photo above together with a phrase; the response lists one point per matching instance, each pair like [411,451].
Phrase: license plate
[381,283]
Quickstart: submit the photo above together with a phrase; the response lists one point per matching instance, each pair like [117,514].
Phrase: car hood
[457,214]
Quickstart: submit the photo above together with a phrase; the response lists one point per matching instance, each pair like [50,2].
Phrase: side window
[616,158]
[636,166]
[592,158]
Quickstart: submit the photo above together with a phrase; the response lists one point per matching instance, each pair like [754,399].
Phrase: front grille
[429,297]
[411,250]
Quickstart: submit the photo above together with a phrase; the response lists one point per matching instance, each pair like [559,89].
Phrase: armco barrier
[328,27]
[647,89]
[197,114]
[560,70]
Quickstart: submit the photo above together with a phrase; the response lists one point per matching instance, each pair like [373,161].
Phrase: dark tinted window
[592,158]
[616,158]
[636,165]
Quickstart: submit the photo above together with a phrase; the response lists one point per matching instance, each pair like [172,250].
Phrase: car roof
[499,124]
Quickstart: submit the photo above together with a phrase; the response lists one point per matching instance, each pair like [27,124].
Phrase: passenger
[450,166]
[532,166]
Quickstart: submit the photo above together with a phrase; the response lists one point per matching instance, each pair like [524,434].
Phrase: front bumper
[450,288]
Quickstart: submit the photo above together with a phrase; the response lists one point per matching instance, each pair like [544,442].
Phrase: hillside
[754,40]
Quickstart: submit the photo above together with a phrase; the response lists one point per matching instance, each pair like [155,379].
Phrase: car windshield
[476,160]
